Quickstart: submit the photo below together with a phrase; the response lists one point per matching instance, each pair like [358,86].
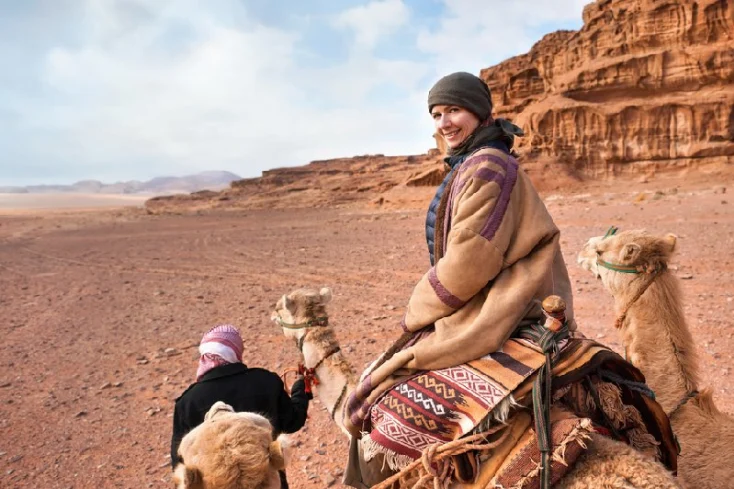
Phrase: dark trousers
[283,480]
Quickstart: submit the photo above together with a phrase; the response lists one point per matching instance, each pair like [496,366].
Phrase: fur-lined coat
[497,257]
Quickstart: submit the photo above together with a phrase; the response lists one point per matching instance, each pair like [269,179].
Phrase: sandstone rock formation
[377,180]
[645,85]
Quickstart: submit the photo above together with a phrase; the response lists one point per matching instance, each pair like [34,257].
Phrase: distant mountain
[208,180]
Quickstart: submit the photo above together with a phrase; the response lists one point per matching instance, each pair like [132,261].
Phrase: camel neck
[659,342]
[335,376]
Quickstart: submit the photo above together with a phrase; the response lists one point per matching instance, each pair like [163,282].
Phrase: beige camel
[302,316]
[230,451]
[632,265]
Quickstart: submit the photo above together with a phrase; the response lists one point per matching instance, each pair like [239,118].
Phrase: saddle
[593,390]
[443,405]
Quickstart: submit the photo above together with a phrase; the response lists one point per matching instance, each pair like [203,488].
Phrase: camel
[231,451]
[302,316]
[632,266]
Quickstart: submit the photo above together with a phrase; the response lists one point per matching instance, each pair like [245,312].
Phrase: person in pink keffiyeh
[221,345]
[222,376]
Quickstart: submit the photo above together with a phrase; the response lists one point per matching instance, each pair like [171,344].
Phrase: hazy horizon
[68,201]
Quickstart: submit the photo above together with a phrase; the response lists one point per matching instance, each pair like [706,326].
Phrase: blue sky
[133,89]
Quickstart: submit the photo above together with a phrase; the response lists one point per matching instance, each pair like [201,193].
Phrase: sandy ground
[102,312]
[52,202]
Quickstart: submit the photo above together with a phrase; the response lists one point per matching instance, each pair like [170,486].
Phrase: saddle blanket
[443,405]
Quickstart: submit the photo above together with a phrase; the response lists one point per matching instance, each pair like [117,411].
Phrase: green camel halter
[615,266]
[651,276]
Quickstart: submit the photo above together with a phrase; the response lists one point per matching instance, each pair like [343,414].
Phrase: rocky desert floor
[102,312]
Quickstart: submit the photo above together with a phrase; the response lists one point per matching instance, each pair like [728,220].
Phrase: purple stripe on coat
[358,406]
[365,387]
[489,175]
[442,292]
[478,159]
[498,213]
[483,159]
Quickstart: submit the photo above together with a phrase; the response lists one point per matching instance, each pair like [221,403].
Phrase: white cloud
[155,87]
[235,98]
[374,20]
[475,34]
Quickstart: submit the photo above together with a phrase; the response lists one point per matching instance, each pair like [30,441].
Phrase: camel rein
[309,374]
[690,395]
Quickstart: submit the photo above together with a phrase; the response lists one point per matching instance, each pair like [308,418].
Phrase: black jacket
[245,389]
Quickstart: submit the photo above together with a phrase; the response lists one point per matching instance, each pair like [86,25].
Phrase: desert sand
[103,310]
[23,203]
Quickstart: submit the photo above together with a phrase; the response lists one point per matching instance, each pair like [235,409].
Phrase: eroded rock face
[644,85]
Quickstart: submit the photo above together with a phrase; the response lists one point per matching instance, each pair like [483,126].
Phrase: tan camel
[230,451]
[302,315]
[632,265]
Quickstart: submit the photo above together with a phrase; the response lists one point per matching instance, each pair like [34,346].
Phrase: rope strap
[435,462]
[683,402]
[548,340]
[640,387]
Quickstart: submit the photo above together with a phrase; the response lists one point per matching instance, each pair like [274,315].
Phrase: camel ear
[217,408]
[325,294]
[630,252]
[279,453]
[188,477]
[289,304]
[671,240]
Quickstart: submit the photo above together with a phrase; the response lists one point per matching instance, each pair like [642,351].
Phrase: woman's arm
[481,230]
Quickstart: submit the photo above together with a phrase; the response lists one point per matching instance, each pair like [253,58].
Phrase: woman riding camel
[494,250]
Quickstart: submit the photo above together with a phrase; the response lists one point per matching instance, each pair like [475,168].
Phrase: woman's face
[454,123]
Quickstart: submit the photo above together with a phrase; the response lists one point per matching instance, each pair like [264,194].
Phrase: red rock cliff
[644,85]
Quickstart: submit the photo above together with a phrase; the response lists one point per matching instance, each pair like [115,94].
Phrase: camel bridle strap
[309,374]
[651,276]
[618,267]
[339,400]
[689,395]
[615,266]
[313,322]
[334,350]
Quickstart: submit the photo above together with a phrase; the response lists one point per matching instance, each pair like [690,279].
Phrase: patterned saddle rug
[443,405]
[593,385]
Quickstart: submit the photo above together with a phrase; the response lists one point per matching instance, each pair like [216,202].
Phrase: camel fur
[658,341]
[607,464]
[231,450]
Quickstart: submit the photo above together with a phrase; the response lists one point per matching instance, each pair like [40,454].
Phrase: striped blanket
[442,405]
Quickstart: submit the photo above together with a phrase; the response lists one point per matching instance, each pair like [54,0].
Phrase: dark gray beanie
[463,90]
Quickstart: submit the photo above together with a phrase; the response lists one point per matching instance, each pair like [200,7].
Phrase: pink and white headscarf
[221,345]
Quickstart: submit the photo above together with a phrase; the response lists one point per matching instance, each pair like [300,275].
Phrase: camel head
[618,259]
[301,309]
[230,450]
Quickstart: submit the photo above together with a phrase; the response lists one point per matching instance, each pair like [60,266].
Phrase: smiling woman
[494,250]
[455,124]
